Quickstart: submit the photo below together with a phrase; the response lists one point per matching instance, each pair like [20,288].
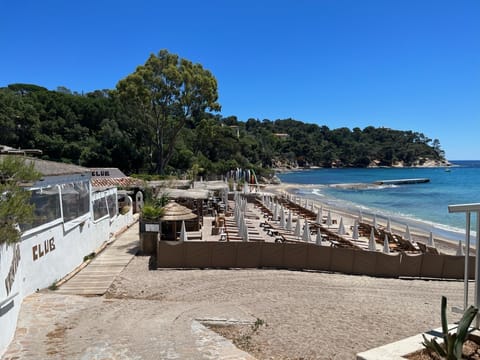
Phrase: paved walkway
[97,277]
[56,325]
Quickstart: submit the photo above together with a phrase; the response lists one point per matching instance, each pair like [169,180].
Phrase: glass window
[75,200]
[46,203]
[99,208]
[112,205]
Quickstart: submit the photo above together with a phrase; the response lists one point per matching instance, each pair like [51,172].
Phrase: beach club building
[72,219]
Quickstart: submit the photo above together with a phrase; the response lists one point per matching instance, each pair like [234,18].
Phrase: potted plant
[452,346]
[150,226]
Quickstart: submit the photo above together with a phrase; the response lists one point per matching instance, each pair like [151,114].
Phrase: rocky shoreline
[373,164]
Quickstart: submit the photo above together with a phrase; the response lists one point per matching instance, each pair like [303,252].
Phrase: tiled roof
[53,168]
[116,182]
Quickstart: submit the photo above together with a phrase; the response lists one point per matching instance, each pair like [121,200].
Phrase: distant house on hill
[281,135]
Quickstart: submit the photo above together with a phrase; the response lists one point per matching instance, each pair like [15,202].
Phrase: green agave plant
[452,346]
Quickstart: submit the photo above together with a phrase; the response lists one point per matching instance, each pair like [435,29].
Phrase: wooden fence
[309,256]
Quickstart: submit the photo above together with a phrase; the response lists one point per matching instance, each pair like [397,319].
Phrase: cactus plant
[452,346]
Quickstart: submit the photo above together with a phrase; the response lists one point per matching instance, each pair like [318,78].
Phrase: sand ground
[153,314]
[149,314]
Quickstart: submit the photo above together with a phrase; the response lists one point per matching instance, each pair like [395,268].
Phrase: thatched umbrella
[175,213]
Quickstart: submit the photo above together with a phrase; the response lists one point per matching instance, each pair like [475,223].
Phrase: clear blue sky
[403,64]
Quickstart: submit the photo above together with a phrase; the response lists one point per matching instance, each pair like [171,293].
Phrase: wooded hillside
[95,130]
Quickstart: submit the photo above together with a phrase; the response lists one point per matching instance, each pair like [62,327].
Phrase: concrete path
[97,277]
[58,324]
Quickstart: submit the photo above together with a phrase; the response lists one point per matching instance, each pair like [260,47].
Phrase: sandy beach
[271,314]
[148,314]
[443,245]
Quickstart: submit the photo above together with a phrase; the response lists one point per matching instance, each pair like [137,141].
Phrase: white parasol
[298,230]
[386,248]
[460,249]
[355,230]
[289,221]
[407,234]
[183,232]
[371,243]
[431,242]
[389,226]
[318,239]
[341,227]
[306,232]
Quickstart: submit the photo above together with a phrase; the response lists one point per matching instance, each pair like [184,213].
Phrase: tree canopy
[159,120]
[15,208]
[163,95]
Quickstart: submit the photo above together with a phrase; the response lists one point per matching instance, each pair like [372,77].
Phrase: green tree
[165,94]
[15,208]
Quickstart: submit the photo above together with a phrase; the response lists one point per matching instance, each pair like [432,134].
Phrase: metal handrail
[7,300]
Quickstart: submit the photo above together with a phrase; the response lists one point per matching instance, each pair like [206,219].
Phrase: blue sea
[424,206]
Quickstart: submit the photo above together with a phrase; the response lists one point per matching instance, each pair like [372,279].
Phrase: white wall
[38,269]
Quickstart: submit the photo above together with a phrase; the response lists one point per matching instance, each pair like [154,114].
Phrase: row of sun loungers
[329,234]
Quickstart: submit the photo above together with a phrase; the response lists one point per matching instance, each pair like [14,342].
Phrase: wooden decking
[96,277]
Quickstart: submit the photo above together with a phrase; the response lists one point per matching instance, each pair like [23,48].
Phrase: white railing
[468,209]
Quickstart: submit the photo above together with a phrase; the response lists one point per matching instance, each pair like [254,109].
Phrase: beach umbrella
[341,227]
[306,203]
[329,218]
[245,232]
[319,216]
[360,217]
[245,188]
[460,249]
[355,230]
[318,239]
[389,226]
[289,220]
[407,234]
[386,248]
[282,218]
[240,225]
[371,242]
[374,221]
[183,232]
[312,206]
[306,232]
[430,240]
[297,228]
[275,212]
